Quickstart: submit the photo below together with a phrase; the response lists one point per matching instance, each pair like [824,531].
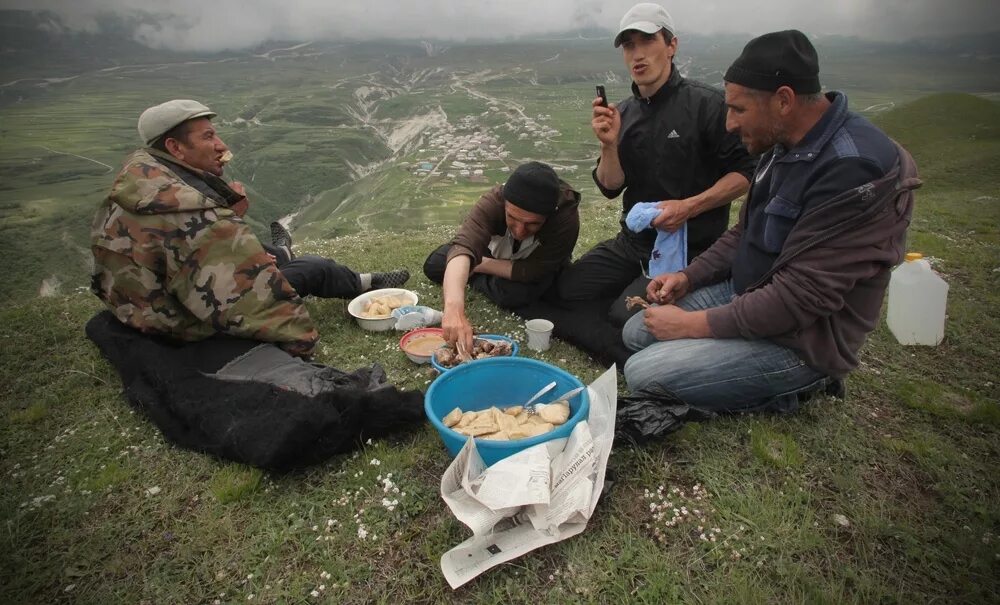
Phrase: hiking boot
[390,279]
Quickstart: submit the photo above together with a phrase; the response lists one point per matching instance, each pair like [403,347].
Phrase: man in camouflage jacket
[174,257]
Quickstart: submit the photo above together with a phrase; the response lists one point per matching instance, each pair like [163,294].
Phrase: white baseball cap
[646,17]
[160,118]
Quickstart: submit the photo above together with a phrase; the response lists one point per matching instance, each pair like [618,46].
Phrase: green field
[889,496]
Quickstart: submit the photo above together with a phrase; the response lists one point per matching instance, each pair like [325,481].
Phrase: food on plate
[424,344]
[482,348]
[509,424]
[554,413]
[380,307]
[452,418]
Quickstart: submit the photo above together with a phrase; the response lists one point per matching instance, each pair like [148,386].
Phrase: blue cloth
[670,249]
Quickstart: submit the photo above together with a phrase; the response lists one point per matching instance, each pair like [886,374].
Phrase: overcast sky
[222,24]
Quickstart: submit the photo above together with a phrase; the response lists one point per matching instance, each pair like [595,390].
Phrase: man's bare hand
[607,122]
[669,322]
[239,207]
[667,288]
[673,214]
[457,330]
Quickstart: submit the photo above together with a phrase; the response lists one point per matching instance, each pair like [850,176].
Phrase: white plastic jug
[917,301]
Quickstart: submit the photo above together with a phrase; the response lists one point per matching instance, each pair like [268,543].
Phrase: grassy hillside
[890,496]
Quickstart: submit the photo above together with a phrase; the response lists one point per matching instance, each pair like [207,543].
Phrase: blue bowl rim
[489,444]
[515,348]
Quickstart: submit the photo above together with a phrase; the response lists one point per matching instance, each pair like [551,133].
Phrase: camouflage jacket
[171,258]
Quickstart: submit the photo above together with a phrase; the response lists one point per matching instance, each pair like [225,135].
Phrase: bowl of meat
[483,347]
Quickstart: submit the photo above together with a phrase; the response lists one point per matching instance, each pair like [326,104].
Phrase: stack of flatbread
[510,423]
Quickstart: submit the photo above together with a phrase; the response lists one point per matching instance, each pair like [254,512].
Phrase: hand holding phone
[603,95]
[605,121]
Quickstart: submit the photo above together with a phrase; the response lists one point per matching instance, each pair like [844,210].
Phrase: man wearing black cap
[510,247]
[781,304]
[666,143]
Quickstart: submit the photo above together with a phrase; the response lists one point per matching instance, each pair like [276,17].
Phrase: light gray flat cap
[160,118]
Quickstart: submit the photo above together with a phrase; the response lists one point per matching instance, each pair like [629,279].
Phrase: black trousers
[317,276]
[582,324]
[504,292]
[612,269]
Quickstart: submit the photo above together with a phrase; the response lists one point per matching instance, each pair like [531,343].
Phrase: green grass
[775,449]
[916,485]
[96,508]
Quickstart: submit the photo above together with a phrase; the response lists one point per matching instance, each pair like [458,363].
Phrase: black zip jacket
[672,146]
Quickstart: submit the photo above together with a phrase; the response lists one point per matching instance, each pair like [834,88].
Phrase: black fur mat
[249,422]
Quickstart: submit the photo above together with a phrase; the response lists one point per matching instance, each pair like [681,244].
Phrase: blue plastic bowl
[513,352]
[500,381]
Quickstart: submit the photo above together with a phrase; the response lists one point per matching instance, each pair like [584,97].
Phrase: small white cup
[539,332]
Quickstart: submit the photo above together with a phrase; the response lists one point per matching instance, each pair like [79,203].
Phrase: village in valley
[469,149]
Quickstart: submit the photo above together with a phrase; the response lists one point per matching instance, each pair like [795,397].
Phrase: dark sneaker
[835,387]
[280,236]
[390,279]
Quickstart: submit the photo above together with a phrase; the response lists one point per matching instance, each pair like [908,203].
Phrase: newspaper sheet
[541,495]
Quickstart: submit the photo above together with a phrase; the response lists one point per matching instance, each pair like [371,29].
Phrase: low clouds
[233,24]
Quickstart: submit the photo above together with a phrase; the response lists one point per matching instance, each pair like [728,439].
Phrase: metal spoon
[545,389]
[533,409]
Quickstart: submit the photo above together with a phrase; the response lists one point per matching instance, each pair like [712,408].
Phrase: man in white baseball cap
[665,143]
[647,18]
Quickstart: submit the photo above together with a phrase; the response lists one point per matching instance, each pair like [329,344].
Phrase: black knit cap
[768,62]
[534,187]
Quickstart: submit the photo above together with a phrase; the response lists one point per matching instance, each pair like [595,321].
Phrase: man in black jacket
[666,143]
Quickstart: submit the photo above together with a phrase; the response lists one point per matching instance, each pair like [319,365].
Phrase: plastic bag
[647,416]
[412,317]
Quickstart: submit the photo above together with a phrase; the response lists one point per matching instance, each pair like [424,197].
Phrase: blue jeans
[721,375]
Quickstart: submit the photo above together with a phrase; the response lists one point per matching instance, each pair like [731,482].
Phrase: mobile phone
[603,95]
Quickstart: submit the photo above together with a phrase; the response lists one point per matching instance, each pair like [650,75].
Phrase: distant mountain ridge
[31,41]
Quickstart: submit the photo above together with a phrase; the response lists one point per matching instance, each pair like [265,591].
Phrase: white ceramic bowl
[356,306]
